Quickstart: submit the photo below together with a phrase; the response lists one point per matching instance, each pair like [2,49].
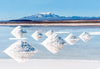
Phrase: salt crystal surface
[20,51]
[37,35]
[85,36]
[71,39]
[54,43]
[18,32]
[50,32]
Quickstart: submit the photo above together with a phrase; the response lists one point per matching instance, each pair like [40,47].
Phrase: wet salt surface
[80,50]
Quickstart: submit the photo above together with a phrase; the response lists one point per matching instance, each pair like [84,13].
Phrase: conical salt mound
[50,32]
[85,36]
[54,43]
[37,35]
[20,51]
[18,32]
[71,39]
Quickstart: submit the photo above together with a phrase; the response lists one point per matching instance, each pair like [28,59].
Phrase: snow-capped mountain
[53,17]
[44,17]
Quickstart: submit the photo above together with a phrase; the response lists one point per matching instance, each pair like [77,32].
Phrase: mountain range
[53,17]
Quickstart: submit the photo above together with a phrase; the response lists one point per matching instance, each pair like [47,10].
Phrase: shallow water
[80,50]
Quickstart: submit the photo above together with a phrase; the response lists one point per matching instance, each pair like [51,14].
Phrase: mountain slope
[44,17]
[53,17]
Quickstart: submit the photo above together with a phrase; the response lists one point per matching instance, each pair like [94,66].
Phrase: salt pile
[37,35]
[18,32]
[85,36]
[54,43]
[50,32]
[71,39]
[20,51]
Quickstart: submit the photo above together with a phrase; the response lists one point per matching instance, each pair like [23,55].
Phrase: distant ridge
[53,17]
[20,20]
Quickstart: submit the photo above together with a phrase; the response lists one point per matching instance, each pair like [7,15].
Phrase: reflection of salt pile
[54,43]
[21,51]
[85,36]
[37,35]
[71,39]
[18,32]
[50,32]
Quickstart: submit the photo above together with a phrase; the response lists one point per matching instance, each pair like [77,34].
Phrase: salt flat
[49,64]
[52,24]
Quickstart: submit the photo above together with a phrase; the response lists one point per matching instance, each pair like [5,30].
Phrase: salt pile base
[85,36]
[18,32]
[71,39]
[37,35]
[17,38]
[20,51]
[54,43]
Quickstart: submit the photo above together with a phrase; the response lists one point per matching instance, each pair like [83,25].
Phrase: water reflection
[20,51]
[54,43]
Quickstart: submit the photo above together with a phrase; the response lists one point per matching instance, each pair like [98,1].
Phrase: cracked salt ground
[20,51]
[85,36]
[71,39]
[54,43]
[37,35]
[18,32]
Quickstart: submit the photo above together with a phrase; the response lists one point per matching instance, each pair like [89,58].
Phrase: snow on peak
[44,16]
[46,13]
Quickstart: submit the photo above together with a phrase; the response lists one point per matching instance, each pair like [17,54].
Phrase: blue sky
[12,9]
